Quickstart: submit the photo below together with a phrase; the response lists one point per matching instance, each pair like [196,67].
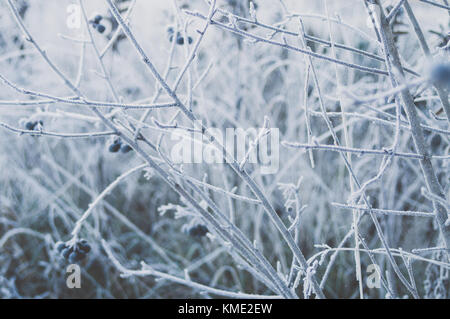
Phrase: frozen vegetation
[225,148]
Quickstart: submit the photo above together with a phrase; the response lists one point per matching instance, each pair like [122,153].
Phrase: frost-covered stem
[57,134]
[351,172]
[220,190]
[287,46]
[309,37]
[105,73]
[105,120]
[408,264]
[307,114]
[118,30]
[230,233]
[443,6]
[100,197]
[30,39]
[361,151]
[425,163]
[81,64]
[190,56]
[443,202]
[347,142]
[75,100]
[265,130]
[295,226]
[234,165]
[447,4]
[381,251]
[246,243]
[116,213]
[373,261]
[427,250]
[386,211]
[147,271]
[403,124]
[155,97]
[432,197]
[442,92]
[394,11]
[334,255]
[191,201]
[386,94]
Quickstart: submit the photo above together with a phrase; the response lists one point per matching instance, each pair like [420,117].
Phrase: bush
[95,99]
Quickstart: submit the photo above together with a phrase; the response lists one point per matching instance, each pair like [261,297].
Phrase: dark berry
[101,28]
[74,257]
[60,246]
[171,38]
[170,30]
[97,19]
[190,40]
[125,148]
[66,252]
[114,147]
[84,247]
[198,230]
[30,125]
[440,73]
[180,40]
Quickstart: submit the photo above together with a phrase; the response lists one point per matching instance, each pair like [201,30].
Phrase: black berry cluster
[198,231]
[73,252]
[32,125]
[179,37]
[96,23]
[117,145]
